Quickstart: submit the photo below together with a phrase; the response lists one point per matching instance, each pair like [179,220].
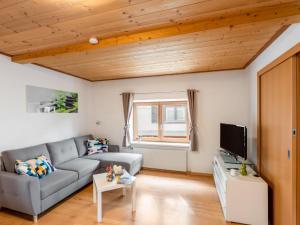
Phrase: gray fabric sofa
[75,168]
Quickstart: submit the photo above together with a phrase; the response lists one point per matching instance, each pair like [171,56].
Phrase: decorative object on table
[118,171]
[243,169]
[126,178]
[110,173]
[45,100]
[97,145]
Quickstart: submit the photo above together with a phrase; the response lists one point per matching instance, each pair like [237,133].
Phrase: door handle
[289,154]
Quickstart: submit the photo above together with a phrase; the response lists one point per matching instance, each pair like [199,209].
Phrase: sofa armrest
[113,148]
[20,193]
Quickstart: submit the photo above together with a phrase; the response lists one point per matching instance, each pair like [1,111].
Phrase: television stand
[244,199]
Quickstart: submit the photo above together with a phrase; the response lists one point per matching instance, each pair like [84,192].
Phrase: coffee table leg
[94,192]
[133,197]
[99,207]
[124,191]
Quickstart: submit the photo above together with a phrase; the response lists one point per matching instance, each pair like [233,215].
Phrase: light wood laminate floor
[162,199]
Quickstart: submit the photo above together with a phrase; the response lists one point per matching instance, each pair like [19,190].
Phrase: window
[160,121]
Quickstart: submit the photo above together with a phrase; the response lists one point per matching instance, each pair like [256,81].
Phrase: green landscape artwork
[45,100]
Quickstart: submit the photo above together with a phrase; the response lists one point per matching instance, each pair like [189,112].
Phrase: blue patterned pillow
[26,168]
[37,167]
[43,166]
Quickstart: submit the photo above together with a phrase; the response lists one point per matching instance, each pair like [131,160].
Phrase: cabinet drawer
[221,191]
[220,178]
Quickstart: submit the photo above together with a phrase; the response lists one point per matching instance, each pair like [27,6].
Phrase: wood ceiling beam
[284,13]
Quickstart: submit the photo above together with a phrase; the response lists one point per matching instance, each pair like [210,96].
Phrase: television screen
[233,139]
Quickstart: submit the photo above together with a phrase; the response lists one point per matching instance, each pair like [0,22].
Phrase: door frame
[297,83]
[294,53]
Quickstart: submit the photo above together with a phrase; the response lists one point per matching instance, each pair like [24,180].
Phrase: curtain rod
[160,92]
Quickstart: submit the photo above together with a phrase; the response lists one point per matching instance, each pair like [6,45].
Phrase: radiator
[166,159]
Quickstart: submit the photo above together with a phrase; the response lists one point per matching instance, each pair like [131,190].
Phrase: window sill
[161,145]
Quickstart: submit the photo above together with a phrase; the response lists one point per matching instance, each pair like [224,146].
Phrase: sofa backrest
[62,151]
[81,144]
[9,157]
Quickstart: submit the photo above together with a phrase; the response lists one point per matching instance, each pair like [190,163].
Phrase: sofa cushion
[96,146]
[80,165]
[56,181]
[132,162]
[37,167]
[81,144]
[43,167]
[113,148]
[62,151]
[27,168]
[9,157]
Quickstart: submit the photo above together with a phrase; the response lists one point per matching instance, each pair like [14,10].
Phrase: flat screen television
[233,139]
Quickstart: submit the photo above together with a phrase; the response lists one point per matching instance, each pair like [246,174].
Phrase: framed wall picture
[45,100]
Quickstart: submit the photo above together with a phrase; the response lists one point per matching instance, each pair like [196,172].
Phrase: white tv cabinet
[244,199]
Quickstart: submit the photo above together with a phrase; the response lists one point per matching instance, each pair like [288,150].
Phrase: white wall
[20,129]
[286,41]
[222,97]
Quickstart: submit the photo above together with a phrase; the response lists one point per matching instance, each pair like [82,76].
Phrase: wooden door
[297,174]
[277,155]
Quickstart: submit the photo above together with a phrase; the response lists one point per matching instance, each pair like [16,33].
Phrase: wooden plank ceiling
[141,37]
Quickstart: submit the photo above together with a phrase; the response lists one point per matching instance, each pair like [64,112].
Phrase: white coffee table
[100,184]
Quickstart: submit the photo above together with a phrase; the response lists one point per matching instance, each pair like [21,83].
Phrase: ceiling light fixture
[93,41]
